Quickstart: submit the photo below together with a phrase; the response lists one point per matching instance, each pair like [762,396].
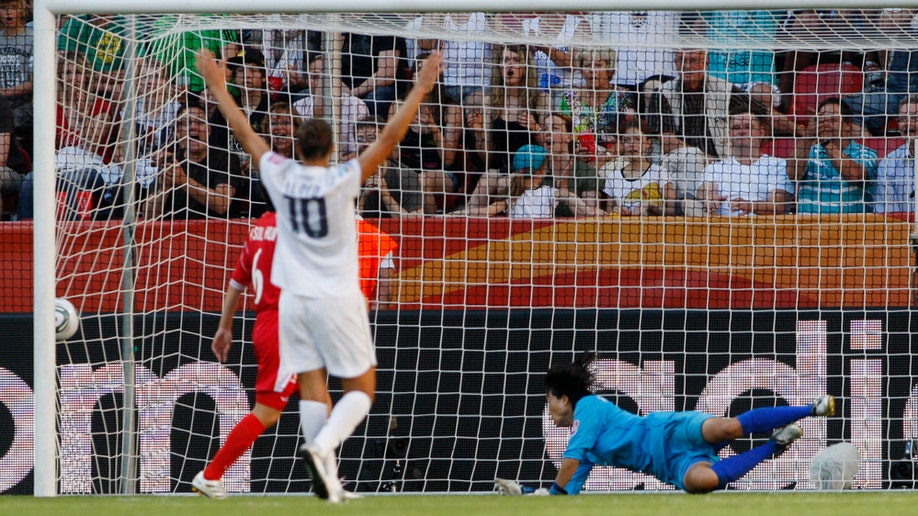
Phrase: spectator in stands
[556,63]
[575,182]
[701,103]
[638,38]
[896,173]
[747,183]
[765,97]
[683,164]
[16,60]
[155,107]
[508,120]
[517,106]
[394,191]
[100,40]
[371,67]
[522,194]
[282,124]
[177,50]
[466,63]
[834,173]
[312,105]
[89,172]
[741,32]
[635,185]
[892,76]
[74,99]
[286,52]
[195,179]
[10,179]
[431,145]
[599,104]
[251,93]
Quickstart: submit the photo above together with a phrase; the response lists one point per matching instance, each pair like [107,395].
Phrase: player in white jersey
[324,327]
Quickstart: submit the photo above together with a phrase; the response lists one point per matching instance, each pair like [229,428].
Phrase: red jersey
[254,265]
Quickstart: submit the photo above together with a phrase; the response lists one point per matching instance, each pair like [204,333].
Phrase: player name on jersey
[263,234]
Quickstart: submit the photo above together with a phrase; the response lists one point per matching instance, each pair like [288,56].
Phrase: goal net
[676,191]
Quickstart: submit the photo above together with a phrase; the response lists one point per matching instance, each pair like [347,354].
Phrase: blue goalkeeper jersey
[662,444]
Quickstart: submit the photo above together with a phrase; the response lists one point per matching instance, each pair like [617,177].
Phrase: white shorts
[333,333]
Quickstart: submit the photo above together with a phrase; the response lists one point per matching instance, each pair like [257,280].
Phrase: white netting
[690,304]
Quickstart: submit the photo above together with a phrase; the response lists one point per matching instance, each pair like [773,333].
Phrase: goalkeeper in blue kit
[679,448]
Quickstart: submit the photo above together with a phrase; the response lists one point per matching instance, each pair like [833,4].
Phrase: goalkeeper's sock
[237,442]
[350,410]
[768,418]
[733,468]
[313,415]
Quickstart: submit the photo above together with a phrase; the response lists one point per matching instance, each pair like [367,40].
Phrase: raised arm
[395,129]
[214,73]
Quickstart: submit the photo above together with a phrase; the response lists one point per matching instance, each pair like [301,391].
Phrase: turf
[732,503]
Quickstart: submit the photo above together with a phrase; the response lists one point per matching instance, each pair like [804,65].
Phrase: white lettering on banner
[867,420]
[18,398]
[155,402]
[82,387]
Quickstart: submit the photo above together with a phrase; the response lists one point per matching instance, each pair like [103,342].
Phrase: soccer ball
[66,319]
[834,468]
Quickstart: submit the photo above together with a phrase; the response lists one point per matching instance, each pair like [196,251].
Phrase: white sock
[344,418]
[313,415]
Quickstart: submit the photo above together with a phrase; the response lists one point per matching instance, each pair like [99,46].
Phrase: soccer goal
[696,290]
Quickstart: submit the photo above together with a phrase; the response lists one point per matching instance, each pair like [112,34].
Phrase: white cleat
[824,406]
[209,488]
[348,495]
[324,482]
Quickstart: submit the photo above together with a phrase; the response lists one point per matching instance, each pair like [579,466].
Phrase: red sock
[237,442]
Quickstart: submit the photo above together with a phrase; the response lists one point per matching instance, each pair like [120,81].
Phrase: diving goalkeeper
[679,448]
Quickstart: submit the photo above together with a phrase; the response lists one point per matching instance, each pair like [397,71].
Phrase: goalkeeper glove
[514,488]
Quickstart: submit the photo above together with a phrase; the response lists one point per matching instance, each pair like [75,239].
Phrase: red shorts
[265,339]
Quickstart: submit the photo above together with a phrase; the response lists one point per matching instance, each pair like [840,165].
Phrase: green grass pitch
[674,504]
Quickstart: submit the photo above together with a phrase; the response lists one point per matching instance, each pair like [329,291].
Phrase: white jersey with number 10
[316,252]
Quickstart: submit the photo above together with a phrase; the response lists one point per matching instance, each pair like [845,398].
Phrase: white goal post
[795,383]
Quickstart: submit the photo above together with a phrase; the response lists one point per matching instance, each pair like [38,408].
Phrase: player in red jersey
[254,269]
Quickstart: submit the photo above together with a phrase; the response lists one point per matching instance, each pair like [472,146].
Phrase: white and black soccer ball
[66,319]
[833,468]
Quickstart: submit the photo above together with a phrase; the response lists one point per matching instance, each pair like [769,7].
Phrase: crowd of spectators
[627,126]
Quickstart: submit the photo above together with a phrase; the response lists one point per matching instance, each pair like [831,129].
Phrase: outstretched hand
[213,71]
[430,72]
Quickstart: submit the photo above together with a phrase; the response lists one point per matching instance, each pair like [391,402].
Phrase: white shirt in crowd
[639,192]
[749,182]
[634,35]
[536,203]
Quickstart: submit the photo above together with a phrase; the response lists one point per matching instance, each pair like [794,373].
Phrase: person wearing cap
[524,195]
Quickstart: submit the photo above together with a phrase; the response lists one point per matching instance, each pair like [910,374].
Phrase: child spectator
[635,185]
[523,194]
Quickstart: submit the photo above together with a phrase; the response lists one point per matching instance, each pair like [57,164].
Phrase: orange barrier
[852,261]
